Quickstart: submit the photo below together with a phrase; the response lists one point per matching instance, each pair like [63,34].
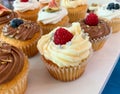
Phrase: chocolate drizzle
[8,17]
[24,31]
[11,62]
[100,30]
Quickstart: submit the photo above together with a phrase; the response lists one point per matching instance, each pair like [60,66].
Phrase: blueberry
[16,22]
[110,6]
[116,6]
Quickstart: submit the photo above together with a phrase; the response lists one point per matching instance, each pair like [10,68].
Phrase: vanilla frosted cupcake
[13,70]
[76,9]
[27,9]
[23,34]
[51,16]
[111,14]
[65,51]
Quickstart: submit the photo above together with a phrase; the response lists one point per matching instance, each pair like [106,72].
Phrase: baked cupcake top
[11,62]
[96,28]
[65,46]
[109,11]
[25,5]
[44,1]
[6,14]
[21,29]
[72,3]
[52,13]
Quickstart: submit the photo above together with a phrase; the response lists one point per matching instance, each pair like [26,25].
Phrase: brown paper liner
[65,73]
[75,14]
[48,27]
[29,15]
[19,84]
[28,46]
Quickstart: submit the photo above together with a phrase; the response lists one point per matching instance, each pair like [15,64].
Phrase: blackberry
[16,22]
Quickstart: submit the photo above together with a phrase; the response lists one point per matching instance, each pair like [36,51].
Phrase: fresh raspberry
[24,0]
[91,19]
[62,36]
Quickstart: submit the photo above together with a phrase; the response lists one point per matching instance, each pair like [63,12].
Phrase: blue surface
[113,84]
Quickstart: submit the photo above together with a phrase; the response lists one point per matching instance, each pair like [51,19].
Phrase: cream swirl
[44,1]
[103,12]
[70,54]
[53,18]
[25,6]
[72,3]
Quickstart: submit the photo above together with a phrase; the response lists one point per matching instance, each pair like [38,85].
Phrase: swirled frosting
[24,31]
[103,12]
[11,62]
[25,6]
[52,18]
[8,17]
[72,3]
[70,54]
[100,30]
[44,1]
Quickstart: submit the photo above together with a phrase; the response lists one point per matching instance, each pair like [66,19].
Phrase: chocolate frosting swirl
[100,30]
[11,62]
[24,31]
[8,17]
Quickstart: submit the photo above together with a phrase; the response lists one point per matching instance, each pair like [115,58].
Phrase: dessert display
[13,70]
[6,15]
[23,34]
[76,9]
[65,51]
[27,9]
[97,29]
[111,14]
[51,16]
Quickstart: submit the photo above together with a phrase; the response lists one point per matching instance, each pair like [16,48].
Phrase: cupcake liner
[98,43]
[75,14]
[18,85]
[48,27]
[69,73]
[28,46]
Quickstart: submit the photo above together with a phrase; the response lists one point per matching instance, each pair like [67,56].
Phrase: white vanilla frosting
[25,6]
[44,1]
[70,54]
[103,12]
[52,18]
[72,3]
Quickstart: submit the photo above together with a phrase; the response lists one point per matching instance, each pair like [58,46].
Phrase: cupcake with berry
[65,51]
[111,14]
[51,16]
[6,15]
[27,9]
[97,29]
[23,34]
[13,69]
[76,9]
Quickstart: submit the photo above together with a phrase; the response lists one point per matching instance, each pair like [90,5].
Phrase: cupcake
[97,29]
[6,15]
[111,14]
[51,16]
[27,9]
[65,51]
[13,70]
[23,34]
[76,9]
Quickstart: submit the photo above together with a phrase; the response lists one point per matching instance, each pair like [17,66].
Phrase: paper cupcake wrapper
[18,85]
[69,73]
[76,14]
[99,42]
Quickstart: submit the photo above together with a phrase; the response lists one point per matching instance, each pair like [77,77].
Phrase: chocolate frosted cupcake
[6,15]
[97,29]
[13,70]
[22,34]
